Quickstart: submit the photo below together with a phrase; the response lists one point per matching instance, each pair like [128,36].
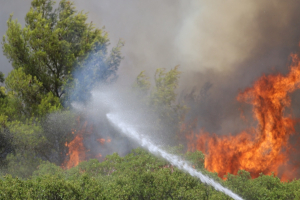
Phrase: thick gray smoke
[221,46]
[199,35]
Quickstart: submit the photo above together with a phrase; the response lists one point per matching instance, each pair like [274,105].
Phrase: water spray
[131,131]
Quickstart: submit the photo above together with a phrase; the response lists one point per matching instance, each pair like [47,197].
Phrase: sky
[19,8]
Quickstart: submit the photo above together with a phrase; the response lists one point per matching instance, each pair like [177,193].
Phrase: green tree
[26,98]
[55,43]
[56,52]
[28,143]
[140,175]
[163,96]
[6,146]
[2,91]
[1,77]
[162,99]
[55,149]
[24,109]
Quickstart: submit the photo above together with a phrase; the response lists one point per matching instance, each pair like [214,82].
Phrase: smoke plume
[221,47]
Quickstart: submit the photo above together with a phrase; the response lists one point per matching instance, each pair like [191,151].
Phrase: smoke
[96,109]
[229,45]
[221,35]
[197,34]
[202,36]
[225,44]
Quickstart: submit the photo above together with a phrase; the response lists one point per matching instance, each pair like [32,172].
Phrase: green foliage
[56,42]
[165,85]
[49,187]
[197,158]
[1,77]
[27,136]
[139,175]
[28,142]
[142,84]
[48,168]
[263,187]
[6,146]
[163,94]
[34,141]
[25,97]
[3,95]
[57,130]
[54,53]
[21,164]
[161,99]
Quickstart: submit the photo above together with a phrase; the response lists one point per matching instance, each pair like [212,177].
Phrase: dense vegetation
[58,58]
[138,175]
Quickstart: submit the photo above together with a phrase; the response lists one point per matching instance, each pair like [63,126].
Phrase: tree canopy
[162,100]
[55,43]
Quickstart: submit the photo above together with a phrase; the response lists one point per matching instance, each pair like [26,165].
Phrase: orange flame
[102,140]
[99,156]
[264,148]
[76,152]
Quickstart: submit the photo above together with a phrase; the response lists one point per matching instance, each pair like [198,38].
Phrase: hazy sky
[204,37]
[19,8]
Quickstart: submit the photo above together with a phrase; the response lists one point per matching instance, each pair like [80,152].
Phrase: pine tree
[57,43]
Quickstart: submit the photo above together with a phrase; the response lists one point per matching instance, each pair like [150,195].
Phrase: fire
[264,148]
[77,151]
[102,140]
[99,156]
